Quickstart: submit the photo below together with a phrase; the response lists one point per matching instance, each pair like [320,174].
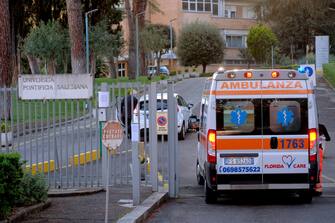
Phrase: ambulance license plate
[239,161]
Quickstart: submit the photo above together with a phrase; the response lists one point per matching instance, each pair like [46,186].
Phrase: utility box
[102,115]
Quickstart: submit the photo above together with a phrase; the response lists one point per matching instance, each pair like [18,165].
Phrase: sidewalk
[88,208]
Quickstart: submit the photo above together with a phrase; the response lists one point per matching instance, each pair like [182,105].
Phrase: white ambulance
[258,131]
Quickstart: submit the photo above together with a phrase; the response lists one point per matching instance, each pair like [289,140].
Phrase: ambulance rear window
[236,117]
[285,116]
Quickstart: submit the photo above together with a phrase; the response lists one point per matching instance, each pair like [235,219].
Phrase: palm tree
[5,61]
[5,73]
[75,21]
[137,7]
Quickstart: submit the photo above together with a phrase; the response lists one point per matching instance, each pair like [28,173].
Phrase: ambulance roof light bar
[275,74]
[248,74]
[221,70]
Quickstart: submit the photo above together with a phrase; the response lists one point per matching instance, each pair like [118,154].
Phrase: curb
[29,210]
[142,212]
[81,159]
[69,193]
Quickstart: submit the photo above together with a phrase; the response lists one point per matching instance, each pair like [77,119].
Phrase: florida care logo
[288,160]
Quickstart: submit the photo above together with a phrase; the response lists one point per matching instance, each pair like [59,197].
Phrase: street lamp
[171,41]
[137,44]
[87,41]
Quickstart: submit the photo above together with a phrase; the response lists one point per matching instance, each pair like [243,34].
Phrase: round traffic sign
[112,134]
[161,120]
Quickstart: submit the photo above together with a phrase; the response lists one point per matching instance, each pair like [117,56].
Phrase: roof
[259,74]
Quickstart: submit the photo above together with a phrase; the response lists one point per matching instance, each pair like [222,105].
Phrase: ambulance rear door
[285,134]
[239,133]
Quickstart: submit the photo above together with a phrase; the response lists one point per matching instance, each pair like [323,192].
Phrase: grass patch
[329,73]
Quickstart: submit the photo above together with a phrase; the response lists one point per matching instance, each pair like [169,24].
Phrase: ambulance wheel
[306,197]
[200,178]
[210,195]
[181,135]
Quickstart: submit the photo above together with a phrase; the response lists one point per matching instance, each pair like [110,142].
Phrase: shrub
[4,127]
[173,73]
[179,71]
[10,178]
[33,189]
[329,72]
[206,74]
[186,70]
[194,69]
[123,79]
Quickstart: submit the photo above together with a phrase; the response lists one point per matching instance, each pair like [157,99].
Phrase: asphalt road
[250,207]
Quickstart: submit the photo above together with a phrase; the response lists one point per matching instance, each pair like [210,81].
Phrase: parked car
[183,113]
[162,70]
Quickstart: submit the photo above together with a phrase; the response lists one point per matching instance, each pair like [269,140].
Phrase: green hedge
[329,73]
[206,74]
[11,174]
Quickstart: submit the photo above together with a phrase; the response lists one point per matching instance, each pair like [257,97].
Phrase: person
[323,132]
[127,110]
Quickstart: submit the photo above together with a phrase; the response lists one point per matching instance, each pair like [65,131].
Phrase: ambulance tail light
[248,74]
[312,139]
[275,74]
[211,146]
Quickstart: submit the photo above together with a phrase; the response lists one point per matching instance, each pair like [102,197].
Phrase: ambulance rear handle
[274,143]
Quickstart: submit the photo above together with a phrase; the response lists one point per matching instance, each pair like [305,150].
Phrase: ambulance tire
[200,178]
[210,195]
[306,197]
[181,135]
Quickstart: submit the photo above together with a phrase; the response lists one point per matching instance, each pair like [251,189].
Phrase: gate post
[153,136]
[101,116]
[172,142]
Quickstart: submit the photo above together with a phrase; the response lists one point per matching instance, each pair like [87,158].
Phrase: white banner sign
[58,86]
[322,51]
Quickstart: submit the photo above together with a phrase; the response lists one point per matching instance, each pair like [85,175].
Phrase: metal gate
[60,139]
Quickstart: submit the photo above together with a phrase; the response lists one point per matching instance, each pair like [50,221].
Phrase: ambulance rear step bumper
[262,186]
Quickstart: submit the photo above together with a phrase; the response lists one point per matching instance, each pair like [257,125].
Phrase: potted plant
[6,135]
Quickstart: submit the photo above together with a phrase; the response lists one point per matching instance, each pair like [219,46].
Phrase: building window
[121,69]
[230,11]
[215,5]
[249,12]
[233,41]
[197,5]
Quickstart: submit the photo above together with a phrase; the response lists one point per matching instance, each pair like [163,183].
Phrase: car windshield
[161,105]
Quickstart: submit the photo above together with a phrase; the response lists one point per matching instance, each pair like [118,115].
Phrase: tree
[260,40]
[47,42]
[200,43]
[106,45]
[76,31]
[297,22]
[246,55]
[5,61]
[138,6]
[155,38]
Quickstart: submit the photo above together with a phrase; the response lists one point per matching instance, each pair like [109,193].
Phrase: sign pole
[107,184]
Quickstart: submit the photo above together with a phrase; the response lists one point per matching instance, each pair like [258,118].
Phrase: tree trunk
[5,45]
[138,6]
[114,67]
[34,68]
[51,66]
[131,42]
[204,68]
[76,36]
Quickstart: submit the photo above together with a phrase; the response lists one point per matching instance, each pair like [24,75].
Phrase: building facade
[233,18]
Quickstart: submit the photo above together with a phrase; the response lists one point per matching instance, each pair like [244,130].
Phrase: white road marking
[328,178]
